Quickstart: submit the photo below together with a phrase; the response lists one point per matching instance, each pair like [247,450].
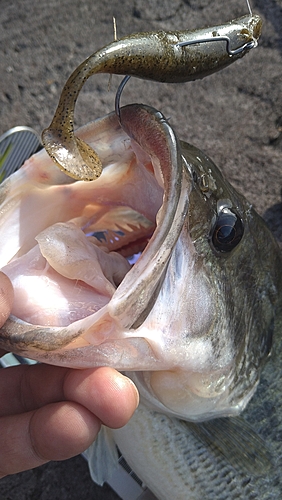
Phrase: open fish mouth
[68,241]
[189,317]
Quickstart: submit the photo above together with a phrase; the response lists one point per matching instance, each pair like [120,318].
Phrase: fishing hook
[118,95]
[223,38]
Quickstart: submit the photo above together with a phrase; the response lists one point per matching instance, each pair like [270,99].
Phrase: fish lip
[177,186]
[22,336]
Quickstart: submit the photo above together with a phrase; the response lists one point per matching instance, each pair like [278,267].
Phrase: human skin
[53,413]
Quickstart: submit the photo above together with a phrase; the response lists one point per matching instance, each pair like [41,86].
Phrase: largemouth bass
[192,320]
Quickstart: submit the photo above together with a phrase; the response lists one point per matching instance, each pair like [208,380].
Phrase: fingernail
[134,389]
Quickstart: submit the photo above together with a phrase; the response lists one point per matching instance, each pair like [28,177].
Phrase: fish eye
[227,231]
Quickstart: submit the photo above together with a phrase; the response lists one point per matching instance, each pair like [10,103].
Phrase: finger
[6,297]
[28,387]
[55,432]
[106,393]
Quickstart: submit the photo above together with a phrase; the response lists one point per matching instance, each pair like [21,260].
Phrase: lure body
[157,56]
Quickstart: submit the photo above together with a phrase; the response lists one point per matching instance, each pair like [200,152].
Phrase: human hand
[53,413]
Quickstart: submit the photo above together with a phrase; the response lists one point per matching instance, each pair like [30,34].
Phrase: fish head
[191,321]
[225,311]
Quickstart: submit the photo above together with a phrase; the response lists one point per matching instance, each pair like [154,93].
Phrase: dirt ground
[234,116]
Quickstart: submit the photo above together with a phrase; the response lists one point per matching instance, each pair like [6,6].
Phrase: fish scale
[192,470]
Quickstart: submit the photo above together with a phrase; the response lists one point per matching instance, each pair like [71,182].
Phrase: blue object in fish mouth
[101,236]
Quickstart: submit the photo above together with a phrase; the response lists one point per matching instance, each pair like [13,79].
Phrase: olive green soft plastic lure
[163,56]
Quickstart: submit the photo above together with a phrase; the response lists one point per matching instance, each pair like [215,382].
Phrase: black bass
[192,320]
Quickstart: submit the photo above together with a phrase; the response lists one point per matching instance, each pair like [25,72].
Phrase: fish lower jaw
[189,396]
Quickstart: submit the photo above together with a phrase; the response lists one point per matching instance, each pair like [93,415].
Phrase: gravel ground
[234,116]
